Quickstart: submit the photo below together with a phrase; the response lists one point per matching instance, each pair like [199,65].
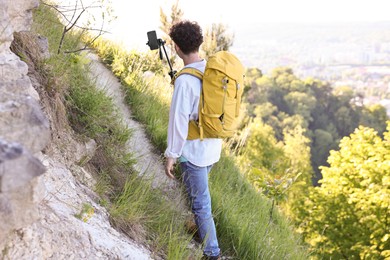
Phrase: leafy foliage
[283,101]
[295,125]
[123,61]
[348,216]
[175,16]
[280,170]
[216,39]
[243,221]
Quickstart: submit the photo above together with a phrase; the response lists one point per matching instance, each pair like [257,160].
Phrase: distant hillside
[301,45]
[352,54]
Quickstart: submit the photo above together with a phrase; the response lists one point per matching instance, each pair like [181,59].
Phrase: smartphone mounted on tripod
[154,43]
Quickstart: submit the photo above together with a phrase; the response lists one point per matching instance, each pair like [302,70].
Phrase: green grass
[134,206]
[242,215]
[146,213]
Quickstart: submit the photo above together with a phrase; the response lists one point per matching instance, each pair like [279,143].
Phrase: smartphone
[152,40]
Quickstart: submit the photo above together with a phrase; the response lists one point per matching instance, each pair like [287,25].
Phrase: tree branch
[78,11]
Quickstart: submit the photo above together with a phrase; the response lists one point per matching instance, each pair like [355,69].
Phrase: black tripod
[154,44]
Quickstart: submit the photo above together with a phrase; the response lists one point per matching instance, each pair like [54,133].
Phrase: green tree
[270,115]
[261,149]
[87,21]
[344,93]
[322,143]
[263,160]
[297,149]
[292,122]
[348,216]
[265,111]
[300,103]
[260,90]
[324,102]
[251,75]
[283,77]
[346,120]
[216,39]
[374,116]
[166,24]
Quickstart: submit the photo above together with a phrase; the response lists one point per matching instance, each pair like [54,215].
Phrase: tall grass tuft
[243,217]
[149,216]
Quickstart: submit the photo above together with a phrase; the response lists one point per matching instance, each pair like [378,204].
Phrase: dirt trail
[148,162]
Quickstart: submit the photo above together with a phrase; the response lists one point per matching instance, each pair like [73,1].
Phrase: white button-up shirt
[184,107]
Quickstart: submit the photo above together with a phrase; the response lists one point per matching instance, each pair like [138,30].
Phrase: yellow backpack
[220,99]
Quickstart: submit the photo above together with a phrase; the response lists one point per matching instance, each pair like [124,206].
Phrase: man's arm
[179,114]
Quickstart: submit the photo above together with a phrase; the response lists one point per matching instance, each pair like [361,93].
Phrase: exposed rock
[24,130]
[22,120]
[18,167]
[20,190]
[19,208]
[71,225]
[43,47]
[15,16]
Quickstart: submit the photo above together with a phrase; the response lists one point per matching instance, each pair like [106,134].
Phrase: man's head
[187,36]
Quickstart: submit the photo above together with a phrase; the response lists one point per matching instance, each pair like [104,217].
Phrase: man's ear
[178,51]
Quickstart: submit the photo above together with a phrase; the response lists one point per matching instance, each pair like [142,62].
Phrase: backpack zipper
[225,81]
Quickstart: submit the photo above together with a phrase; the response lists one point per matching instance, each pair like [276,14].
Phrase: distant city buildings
[353,54]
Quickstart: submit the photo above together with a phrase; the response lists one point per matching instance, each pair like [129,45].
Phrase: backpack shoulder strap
[190,71]
[195,130]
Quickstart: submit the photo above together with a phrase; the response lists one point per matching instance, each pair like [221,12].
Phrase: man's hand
[169,167]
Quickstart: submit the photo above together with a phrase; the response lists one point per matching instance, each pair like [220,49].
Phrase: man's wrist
[173,159]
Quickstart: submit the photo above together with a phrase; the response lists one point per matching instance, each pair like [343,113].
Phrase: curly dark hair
[187,36]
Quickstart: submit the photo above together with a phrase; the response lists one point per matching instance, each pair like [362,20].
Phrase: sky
[134,20]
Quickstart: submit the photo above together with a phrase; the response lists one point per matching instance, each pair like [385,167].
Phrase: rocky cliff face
[24,129]
[48,209]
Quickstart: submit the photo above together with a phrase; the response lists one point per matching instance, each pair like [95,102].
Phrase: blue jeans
[196,182]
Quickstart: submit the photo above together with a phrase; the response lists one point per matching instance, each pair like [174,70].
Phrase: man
[196,157]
